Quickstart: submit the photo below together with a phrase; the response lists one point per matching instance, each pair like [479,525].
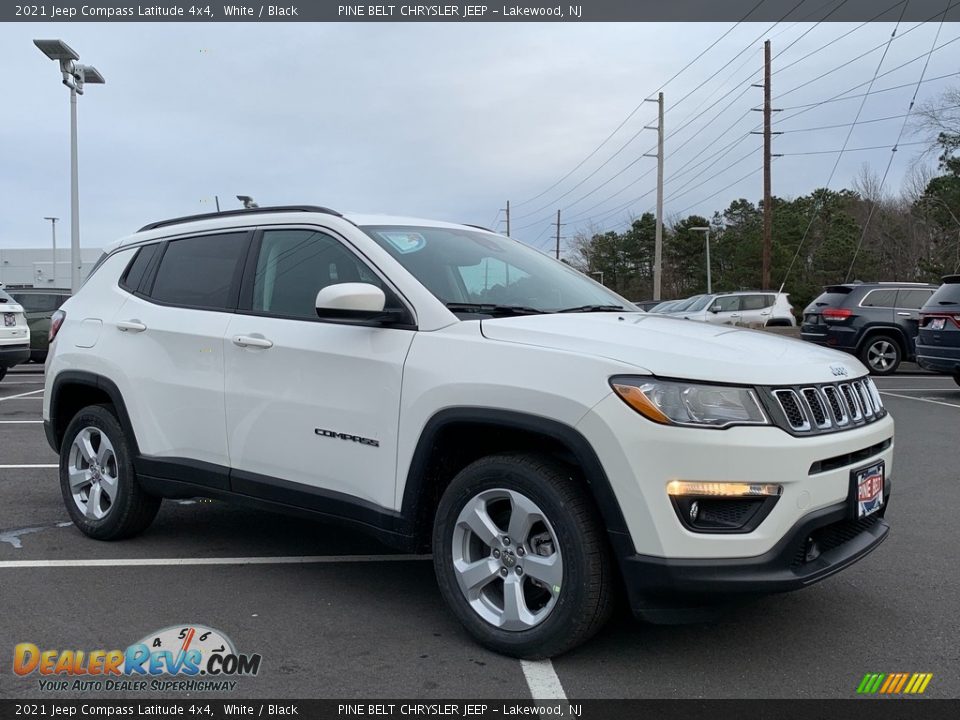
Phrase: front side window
[294,265]
[202,272]
[464,267]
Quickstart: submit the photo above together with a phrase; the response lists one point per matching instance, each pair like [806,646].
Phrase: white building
[34,267]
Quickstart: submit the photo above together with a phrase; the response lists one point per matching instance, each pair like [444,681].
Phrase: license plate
[868,489]
[937,323]
[9,319]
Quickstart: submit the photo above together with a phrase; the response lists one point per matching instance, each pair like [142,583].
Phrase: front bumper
[671,590]
[11,355]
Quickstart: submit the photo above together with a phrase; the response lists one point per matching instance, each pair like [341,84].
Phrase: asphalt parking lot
[335,615]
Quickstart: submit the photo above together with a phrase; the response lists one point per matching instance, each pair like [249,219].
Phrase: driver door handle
[254,341]
[134,326]
[904,314]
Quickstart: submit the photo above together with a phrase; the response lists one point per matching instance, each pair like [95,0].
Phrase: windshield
[686,304]
[474,268]
[700,304]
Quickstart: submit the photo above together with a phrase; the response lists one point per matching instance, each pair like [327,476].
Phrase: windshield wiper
[593,308]
[493,309]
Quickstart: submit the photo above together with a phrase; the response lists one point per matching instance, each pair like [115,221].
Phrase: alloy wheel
[882,355]
[507,559]
[93,473]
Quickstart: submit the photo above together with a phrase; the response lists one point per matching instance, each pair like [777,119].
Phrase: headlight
[676,402]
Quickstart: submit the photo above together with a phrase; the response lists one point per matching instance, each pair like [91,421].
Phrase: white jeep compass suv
[452,391]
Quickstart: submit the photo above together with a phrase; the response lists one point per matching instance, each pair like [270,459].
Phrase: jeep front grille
[828,407]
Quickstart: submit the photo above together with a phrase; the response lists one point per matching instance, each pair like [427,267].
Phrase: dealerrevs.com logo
[179,658]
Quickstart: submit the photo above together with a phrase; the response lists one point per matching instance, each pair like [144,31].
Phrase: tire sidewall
[503,474]
[102,419]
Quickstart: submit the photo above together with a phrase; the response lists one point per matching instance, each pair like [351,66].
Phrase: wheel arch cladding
[74,390]
[455,437]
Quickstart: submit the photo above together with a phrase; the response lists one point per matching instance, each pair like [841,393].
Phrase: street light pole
[706,232]
[75,76]
[600,273]
[53,229]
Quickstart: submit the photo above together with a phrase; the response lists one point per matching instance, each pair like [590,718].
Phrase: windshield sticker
[405,242]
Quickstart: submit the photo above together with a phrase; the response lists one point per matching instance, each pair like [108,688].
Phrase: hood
[677,348]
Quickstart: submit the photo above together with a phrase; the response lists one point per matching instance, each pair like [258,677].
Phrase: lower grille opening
[830,537]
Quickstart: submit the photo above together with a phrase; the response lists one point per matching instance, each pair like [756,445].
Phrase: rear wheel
[881,354]
[97,479]
[521,557]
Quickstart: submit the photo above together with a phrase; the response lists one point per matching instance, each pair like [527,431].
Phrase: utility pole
[558,234]
[767,148]
[53,229]
[507,212]
[658,244]
[768,156]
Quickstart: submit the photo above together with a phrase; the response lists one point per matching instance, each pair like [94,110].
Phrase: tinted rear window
[947,296]
[831,299]
[39,302]
[912,299]
[201,272]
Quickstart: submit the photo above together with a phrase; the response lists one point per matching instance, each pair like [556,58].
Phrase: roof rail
[241,211]
[479,227]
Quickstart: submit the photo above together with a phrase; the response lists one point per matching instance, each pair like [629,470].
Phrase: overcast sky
[435,120]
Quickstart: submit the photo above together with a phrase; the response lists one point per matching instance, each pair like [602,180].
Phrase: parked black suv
[877,322]
[938,342]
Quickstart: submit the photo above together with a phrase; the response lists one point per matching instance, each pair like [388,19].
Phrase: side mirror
[714,309]
[351,301]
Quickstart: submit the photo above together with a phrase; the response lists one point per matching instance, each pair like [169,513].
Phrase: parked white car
[14,334]
[452,391]
[746,309]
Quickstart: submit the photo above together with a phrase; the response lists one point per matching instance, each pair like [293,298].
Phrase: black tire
[956,378]
[3,372]
[583,601]
[132,510]
[881,354]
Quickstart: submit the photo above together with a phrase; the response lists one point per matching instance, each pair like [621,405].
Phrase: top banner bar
[484,11]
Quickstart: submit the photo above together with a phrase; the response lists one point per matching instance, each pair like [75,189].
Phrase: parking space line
[179,562]
[21,422]
[928,400]
[14,397]
[542,680]
[21,467]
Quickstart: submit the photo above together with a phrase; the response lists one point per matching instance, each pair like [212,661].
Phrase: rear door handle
[134,326]
[905,314]
[255,341]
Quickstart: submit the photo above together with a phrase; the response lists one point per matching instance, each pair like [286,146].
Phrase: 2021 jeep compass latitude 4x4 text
[453,391]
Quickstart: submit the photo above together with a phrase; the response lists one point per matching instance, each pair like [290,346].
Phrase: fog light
[722,507]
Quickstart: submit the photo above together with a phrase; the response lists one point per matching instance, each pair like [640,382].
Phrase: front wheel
[881,354]
[97,479]
[521,557]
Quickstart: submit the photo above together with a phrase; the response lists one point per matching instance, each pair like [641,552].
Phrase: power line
[634,111]
[672,107]
[856,149]
[814,209]
[903,126]
[862,122]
